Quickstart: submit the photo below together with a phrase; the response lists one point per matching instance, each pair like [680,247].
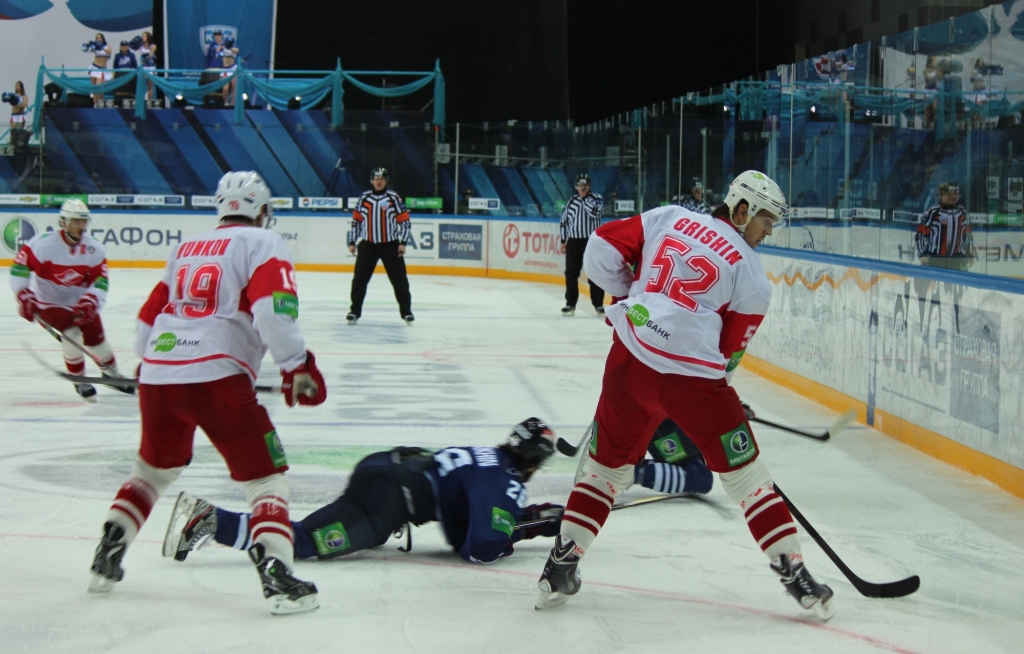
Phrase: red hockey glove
[540,512]
[304,385]
[85,311]
[27,304]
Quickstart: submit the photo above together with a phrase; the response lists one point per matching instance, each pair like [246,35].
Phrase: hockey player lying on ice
[477,493]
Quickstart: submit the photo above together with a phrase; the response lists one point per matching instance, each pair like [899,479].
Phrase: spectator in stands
[98,70]
[229,53]
[125,58]
[463,207]
[943,238]
[380,230]
[580,218]
[695,201]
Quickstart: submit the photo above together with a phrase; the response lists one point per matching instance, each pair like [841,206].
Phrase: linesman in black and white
[581,216]
[380,230]
[944,238]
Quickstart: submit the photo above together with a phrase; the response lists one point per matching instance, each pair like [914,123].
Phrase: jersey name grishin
[720,246]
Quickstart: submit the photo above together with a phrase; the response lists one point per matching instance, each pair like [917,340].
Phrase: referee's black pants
[574,249]
[367,256]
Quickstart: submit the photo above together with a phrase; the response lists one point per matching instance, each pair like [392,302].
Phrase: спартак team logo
[17,232]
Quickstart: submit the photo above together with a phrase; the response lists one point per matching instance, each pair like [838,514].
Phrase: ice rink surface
[682,575]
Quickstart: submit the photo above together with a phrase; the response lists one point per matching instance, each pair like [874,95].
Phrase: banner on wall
[56,30]
[190,25]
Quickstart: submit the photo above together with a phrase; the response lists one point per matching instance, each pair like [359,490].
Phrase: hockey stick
[570,450]
[72,342]
[891,589]
[625,505]
[113,381]
[836,427]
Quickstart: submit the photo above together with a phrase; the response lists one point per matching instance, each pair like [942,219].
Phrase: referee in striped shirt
[581,216]
[380,230]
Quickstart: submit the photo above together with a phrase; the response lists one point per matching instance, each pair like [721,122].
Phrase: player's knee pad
[739,484]
[612,480]
[71,353]
[102,351]
[159,478]
[274,486]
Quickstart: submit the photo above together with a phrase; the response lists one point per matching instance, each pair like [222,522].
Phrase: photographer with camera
[228,56]
[98,70]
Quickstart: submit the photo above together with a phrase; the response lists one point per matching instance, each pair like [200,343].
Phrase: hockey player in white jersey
[682,321]
[227,296]
[61,278]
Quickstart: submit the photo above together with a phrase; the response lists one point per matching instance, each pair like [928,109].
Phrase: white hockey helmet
[243,193]
[73,208]
[761,194]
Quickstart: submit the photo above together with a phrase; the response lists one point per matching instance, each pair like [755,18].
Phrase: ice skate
[285,593]
[801,585]
[86,391]
[599,311]
[351,318]
[568,311]
[409,319]
[561,576]
[193,524]
[114,374]
[106,564]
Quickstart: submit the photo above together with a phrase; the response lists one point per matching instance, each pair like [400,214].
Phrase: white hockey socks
[269,523]
[591,501]
[136,497]
[768,518]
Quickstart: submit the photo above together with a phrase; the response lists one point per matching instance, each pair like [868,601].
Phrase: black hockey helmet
[379,172]
[582,178]
[531,443]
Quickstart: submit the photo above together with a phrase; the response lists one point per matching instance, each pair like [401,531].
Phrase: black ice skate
[86,391]
[801,585]
[285,593]
[351,318]
[113,374]
[106,564]
[568,311]
[561,576]
[193,524]
[409,318]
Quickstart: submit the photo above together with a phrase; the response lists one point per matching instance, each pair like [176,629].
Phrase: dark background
[536,59]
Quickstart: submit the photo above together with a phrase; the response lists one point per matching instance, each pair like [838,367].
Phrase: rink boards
[935,360]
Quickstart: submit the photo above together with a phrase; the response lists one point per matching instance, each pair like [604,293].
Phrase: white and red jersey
[696,296]
[227,296]
[59,272]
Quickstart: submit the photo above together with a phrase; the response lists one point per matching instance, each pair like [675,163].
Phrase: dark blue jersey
[480,497]
[214,52]
[125,60]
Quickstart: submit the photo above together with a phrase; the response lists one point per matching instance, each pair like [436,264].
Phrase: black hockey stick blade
[570,450]
[891,589]
[625,505]
[835,428]
[112,381]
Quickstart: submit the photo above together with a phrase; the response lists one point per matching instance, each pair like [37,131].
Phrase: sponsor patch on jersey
[275,449]
[18,270]
[286,303]
[331,539]
[502,521]
[638,315]
[671,448]
[593,439]
[165,342]
[102,283]
[739,447]
[734,360]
